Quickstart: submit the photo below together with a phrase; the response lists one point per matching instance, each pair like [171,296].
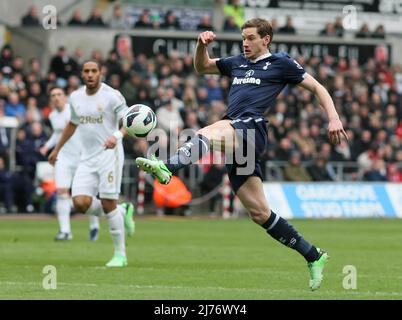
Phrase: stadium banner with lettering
[335,200]
[314,14]
[189,17]
[153,45]
[379,6]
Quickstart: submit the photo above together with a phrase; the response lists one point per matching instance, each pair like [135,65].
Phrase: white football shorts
[65,168]
[101,174]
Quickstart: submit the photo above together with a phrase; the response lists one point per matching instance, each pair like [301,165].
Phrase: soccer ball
[139,120]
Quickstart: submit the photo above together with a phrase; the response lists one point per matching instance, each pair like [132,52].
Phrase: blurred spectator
[398,130]
[18,64]
[63,65]
[139,64]
[234,9]
[118,20]
[113,64]
[17,82]
[31,18]
[214,91]
[230,25]
[73,83]
[364,31]
[78,56]
[95,19]
[211,183]
[171,22]
[23,190]
[379,32]
[288,28]
[274,25]
[284,149]
[35,91]
[6,57]
[114,81]
[205,23]
[319,171]
[342,152]
[14,108]
[130,88]
[329,30]
[25,154]
[156,20]
[377,172]
[97,56]
[338,27]
[191,121]
[302,138]
[76,19]
[35,68]
[4,141]
[397,71]
[6,186]
[169,118]
[294,170]
[394,173]
[202,95]
[37,138]
[144,20]
[176,102]
[143,96]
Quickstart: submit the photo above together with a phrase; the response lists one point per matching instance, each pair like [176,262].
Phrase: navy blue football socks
[285,233]
[188,153]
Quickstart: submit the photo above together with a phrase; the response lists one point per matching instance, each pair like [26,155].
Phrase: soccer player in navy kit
[257,79]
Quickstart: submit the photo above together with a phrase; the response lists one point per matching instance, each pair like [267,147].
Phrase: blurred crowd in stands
[369,98]
[233,19]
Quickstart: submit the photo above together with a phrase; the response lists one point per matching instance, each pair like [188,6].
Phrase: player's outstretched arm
[66,135]
[335,127]
[50,143]
[203,64]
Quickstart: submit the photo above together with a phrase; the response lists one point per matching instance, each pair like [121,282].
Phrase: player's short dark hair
[94,61]
[54,88]
[264,27]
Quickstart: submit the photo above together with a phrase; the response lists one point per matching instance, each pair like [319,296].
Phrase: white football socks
[116,228]
[96,208]
[94,212]
[63,208]
[93,222]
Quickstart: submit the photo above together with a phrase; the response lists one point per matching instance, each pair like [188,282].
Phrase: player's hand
[43,151]
[53,157]
[336,131]
[110,143]
[206,37]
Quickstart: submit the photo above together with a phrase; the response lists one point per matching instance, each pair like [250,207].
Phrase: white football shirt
[58,121]
[97,116]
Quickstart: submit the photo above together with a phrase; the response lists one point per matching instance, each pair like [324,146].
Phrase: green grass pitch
[200,259]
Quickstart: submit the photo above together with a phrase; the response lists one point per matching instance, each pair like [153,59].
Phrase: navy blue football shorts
[252,134]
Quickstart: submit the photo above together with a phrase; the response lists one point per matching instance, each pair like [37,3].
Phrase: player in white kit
[65,166]
[97,110]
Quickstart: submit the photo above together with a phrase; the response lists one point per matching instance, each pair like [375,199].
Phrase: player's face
[91,75]
[57,98]
[253,45]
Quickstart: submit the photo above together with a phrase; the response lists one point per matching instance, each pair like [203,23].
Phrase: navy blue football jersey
[255,86]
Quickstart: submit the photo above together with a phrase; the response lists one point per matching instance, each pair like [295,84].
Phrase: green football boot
[155,167]
[117,261]
[316,269]
[129,223]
